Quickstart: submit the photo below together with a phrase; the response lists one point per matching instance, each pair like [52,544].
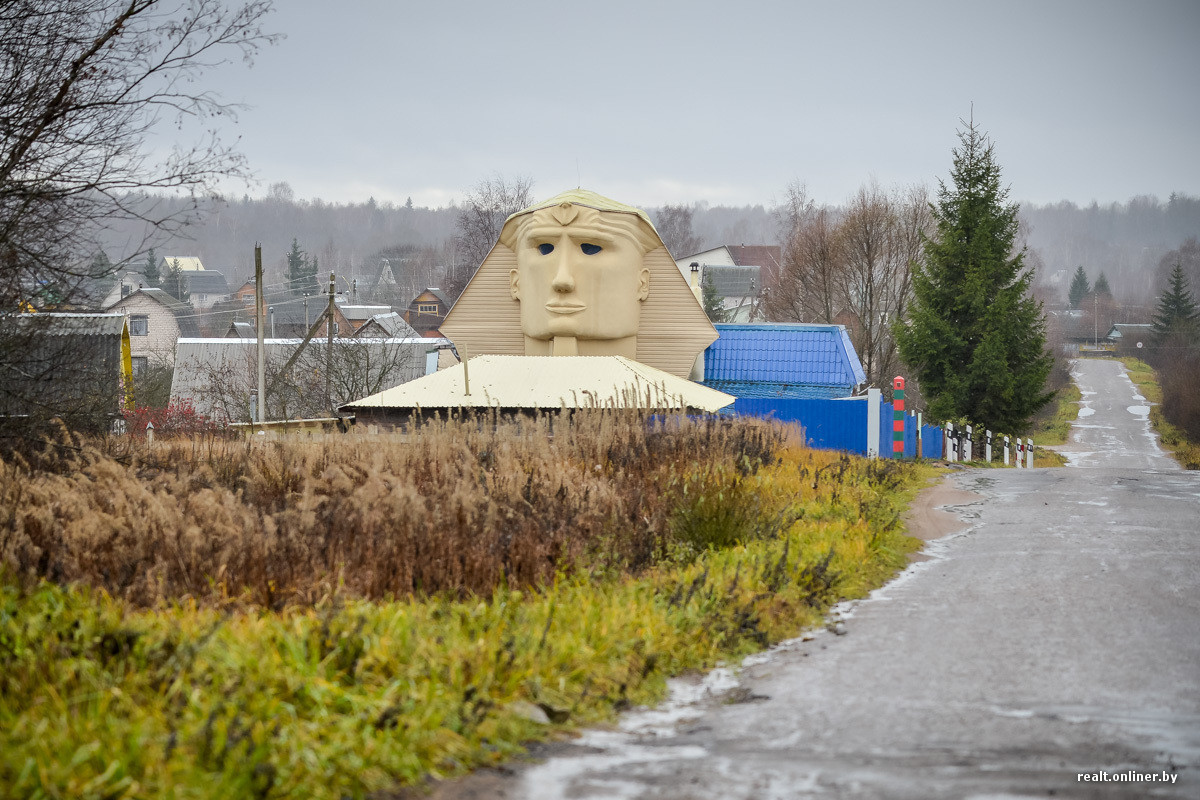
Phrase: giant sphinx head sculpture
[581,275]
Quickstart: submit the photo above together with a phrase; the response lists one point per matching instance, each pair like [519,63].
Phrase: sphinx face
[579,274]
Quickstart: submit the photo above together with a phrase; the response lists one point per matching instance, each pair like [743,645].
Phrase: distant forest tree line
[1124,241]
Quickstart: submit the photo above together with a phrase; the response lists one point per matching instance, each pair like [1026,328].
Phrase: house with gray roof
[738,273]
[386,326]
[206,288]
[156,322]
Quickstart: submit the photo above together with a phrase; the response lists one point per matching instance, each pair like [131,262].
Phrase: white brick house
[156,322]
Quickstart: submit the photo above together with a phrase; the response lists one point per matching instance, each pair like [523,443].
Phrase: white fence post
[968,445]
[1029,454]
[1006,451]
[948,450]
[874,399]
[987,448]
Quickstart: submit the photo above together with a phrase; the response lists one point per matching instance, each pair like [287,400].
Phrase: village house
[738,274]
[427,311]
[156,322]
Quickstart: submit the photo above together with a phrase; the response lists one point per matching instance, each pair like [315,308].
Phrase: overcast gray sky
[658,101]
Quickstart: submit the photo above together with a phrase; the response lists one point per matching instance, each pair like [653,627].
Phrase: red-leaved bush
[180,416]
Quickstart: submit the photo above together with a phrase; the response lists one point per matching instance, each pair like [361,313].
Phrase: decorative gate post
[874,398]
[898,417]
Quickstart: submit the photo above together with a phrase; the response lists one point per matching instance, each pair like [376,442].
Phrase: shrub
[178,417]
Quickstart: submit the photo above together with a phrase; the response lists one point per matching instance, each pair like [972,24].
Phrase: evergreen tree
[1177,313]
[1101,287]
[1079,288]
[711,300]
[302,273]
[975,339]
[102,265]
[174,282]
[151,271]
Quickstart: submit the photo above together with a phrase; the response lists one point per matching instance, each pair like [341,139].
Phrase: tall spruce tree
[1079,288]
[711,300]
[151,270]
[300,278]
[1177,313]
[1101,287]
[175,283]
[974,338]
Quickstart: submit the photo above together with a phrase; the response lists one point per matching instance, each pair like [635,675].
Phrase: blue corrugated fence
[842,424]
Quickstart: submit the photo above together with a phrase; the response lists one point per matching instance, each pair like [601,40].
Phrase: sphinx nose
[563,281]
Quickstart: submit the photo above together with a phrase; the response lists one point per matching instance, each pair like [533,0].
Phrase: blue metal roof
[782,360]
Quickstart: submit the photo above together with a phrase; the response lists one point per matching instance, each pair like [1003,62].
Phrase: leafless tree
[881,236]
[83,83]
[674,225]
[479,221]
[797,207]
[808,286]
[220,381]
[866,283]
[852,267]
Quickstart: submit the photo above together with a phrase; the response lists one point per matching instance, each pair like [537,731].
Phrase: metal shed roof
[531,382]
[746,357]
[59,323]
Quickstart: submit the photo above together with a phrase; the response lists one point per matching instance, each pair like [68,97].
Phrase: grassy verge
[187,688]
[1056,427]
[1184,450]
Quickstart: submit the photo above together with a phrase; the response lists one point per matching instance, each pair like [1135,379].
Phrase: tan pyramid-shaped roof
[548,382]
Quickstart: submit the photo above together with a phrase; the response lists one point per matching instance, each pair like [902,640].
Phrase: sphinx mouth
[564,308]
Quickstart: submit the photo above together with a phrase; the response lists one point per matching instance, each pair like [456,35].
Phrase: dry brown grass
[455,507]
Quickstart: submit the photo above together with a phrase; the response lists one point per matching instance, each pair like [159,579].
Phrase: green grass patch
[1054,429]
[211,693]
[1183,449]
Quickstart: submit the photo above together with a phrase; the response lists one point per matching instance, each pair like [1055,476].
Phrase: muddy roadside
[927,519]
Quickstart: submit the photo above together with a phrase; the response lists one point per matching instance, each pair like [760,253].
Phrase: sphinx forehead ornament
[565,212]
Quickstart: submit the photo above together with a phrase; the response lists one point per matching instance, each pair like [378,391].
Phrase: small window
[126,290]
[427,308]
[140,364]
[139,325]
[248,299]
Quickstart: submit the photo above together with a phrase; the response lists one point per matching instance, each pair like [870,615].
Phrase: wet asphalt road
[1059,634]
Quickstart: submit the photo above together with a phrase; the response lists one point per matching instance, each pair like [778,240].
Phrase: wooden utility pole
[261,408]
[329,348]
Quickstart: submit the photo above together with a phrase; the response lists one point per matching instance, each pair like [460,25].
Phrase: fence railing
[870,427]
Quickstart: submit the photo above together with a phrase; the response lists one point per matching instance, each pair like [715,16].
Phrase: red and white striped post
[898,417]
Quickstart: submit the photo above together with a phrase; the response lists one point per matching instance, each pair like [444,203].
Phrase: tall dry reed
[455,506]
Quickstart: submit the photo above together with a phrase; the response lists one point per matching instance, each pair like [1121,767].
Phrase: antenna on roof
[578,179]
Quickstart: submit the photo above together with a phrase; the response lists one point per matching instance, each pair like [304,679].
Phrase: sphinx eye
[546,249]
[590,249]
